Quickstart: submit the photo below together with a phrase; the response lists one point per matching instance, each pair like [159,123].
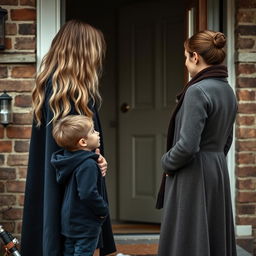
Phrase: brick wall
[17,71]
[246,119]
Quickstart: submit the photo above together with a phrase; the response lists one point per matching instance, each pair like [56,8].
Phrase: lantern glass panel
[5,111]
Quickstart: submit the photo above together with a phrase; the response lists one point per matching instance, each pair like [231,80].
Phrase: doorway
[143,72]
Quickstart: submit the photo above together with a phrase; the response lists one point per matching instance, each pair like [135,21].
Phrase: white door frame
[48,24]
[231,78]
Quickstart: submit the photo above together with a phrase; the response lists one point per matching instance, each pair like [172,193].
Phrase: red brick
[1,159]
[248,145]
[1,187]
[246,95]
[3,72]
[15,186]
[27,71]
[246,82]
[21,146]
[246,158]
[246,171]
[9,226]
[8,43]
[7,200]
[245,133]
[22,118]
[245,120]
[246,108]
[246,16]
[22,172]
[18,227]
[23,101]
[28,2]
[247,30]
[9,2]
[27,29]
[246,4]
[17,85]
[10,29]
[21,200]
[5,146]
[246,184]
[246,69]
[7,173]
[1,132]
[19,132]
[13,214]
[17,160]
[243,209]
[246,221]
[25,43]
[23,14]
[246,197]
[245,43]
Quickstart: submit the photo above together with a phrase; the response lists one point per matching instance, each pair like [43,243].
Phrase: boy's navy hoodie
[82,204]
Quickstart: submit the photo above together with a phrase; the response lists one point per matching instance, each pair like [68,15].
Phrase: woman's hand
[102,163]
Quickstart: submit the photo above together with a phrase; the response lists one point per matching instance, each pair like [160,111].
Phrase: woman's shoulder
[197,90]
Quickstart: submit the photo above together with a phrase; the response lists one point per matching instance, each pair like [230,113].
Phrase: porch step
[147,245]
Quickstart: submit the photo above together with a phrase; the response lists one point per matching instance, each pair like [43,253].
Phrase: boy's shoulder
[90,162]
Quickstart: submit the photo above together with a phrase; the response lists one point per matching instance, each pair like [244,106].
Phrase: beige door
[151,72]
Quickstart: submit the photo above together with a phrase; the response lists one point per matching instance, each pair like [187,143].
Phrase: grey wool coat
[197,217]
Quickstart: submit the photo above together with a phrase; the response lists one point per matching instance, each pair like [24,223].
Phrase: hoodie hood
[65,162]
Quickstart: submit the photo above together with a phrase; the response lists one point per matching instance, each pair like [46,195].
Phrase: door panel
[150,75]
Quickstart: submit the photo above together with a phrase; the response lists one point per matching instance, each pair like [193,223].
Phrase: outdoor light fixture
[5,109]
[3,12]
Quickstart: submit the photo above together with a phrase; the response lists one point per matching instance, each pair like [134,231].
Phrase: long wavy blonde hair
[74,63]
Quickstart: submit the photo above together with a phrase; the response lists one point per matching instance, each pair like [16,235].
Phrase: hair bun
[219,40]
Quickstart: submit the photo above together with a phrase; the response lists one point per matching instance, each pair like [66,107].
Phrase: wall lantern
[3,12]
[5,109]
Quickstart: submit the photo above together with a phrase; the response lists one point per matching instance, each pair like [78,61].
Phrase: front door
[151,72]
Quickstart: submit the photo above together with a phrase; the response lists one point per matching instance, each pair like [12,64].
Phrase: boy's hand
[102,163]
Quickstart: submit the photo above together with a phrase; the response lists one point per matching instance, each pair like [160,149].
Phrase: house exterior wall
[245,44]
[17,72]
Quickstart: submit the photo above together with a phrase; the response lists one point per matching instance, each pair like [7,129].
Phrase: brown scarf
[210,72]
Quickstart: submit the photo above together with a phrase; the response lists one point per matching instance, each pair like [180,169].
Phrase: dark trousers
[80,247]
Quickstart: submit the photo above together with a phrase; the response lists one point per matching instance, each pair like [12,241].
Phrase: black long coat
[197,218]
[43,195]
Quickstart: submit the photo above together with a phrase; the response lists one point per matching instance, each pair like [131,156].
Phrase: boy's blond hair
[69,130]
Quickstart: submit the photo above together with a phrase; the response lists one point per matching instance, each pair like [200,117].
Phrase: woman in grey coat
[195,191]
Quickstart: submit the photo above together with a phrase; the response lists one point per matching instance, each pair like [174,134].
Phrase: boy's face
[93,139]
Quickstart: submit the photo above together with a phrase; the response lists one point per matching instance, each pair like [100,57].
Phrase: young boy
[83,208]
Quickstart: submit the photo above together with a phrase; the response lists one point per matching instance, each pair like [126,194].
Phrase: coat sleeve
[229,142]
[192,125]
[87,178]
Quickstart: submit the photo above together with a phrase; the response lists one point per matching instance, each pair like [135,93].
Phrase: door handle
[125,107]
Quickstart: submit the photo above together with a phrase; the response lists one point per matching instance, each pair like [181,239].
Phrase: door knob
[125,107]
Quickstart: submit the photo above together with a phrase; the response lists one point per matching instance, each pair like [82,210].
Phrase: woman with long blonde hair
[67,83]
